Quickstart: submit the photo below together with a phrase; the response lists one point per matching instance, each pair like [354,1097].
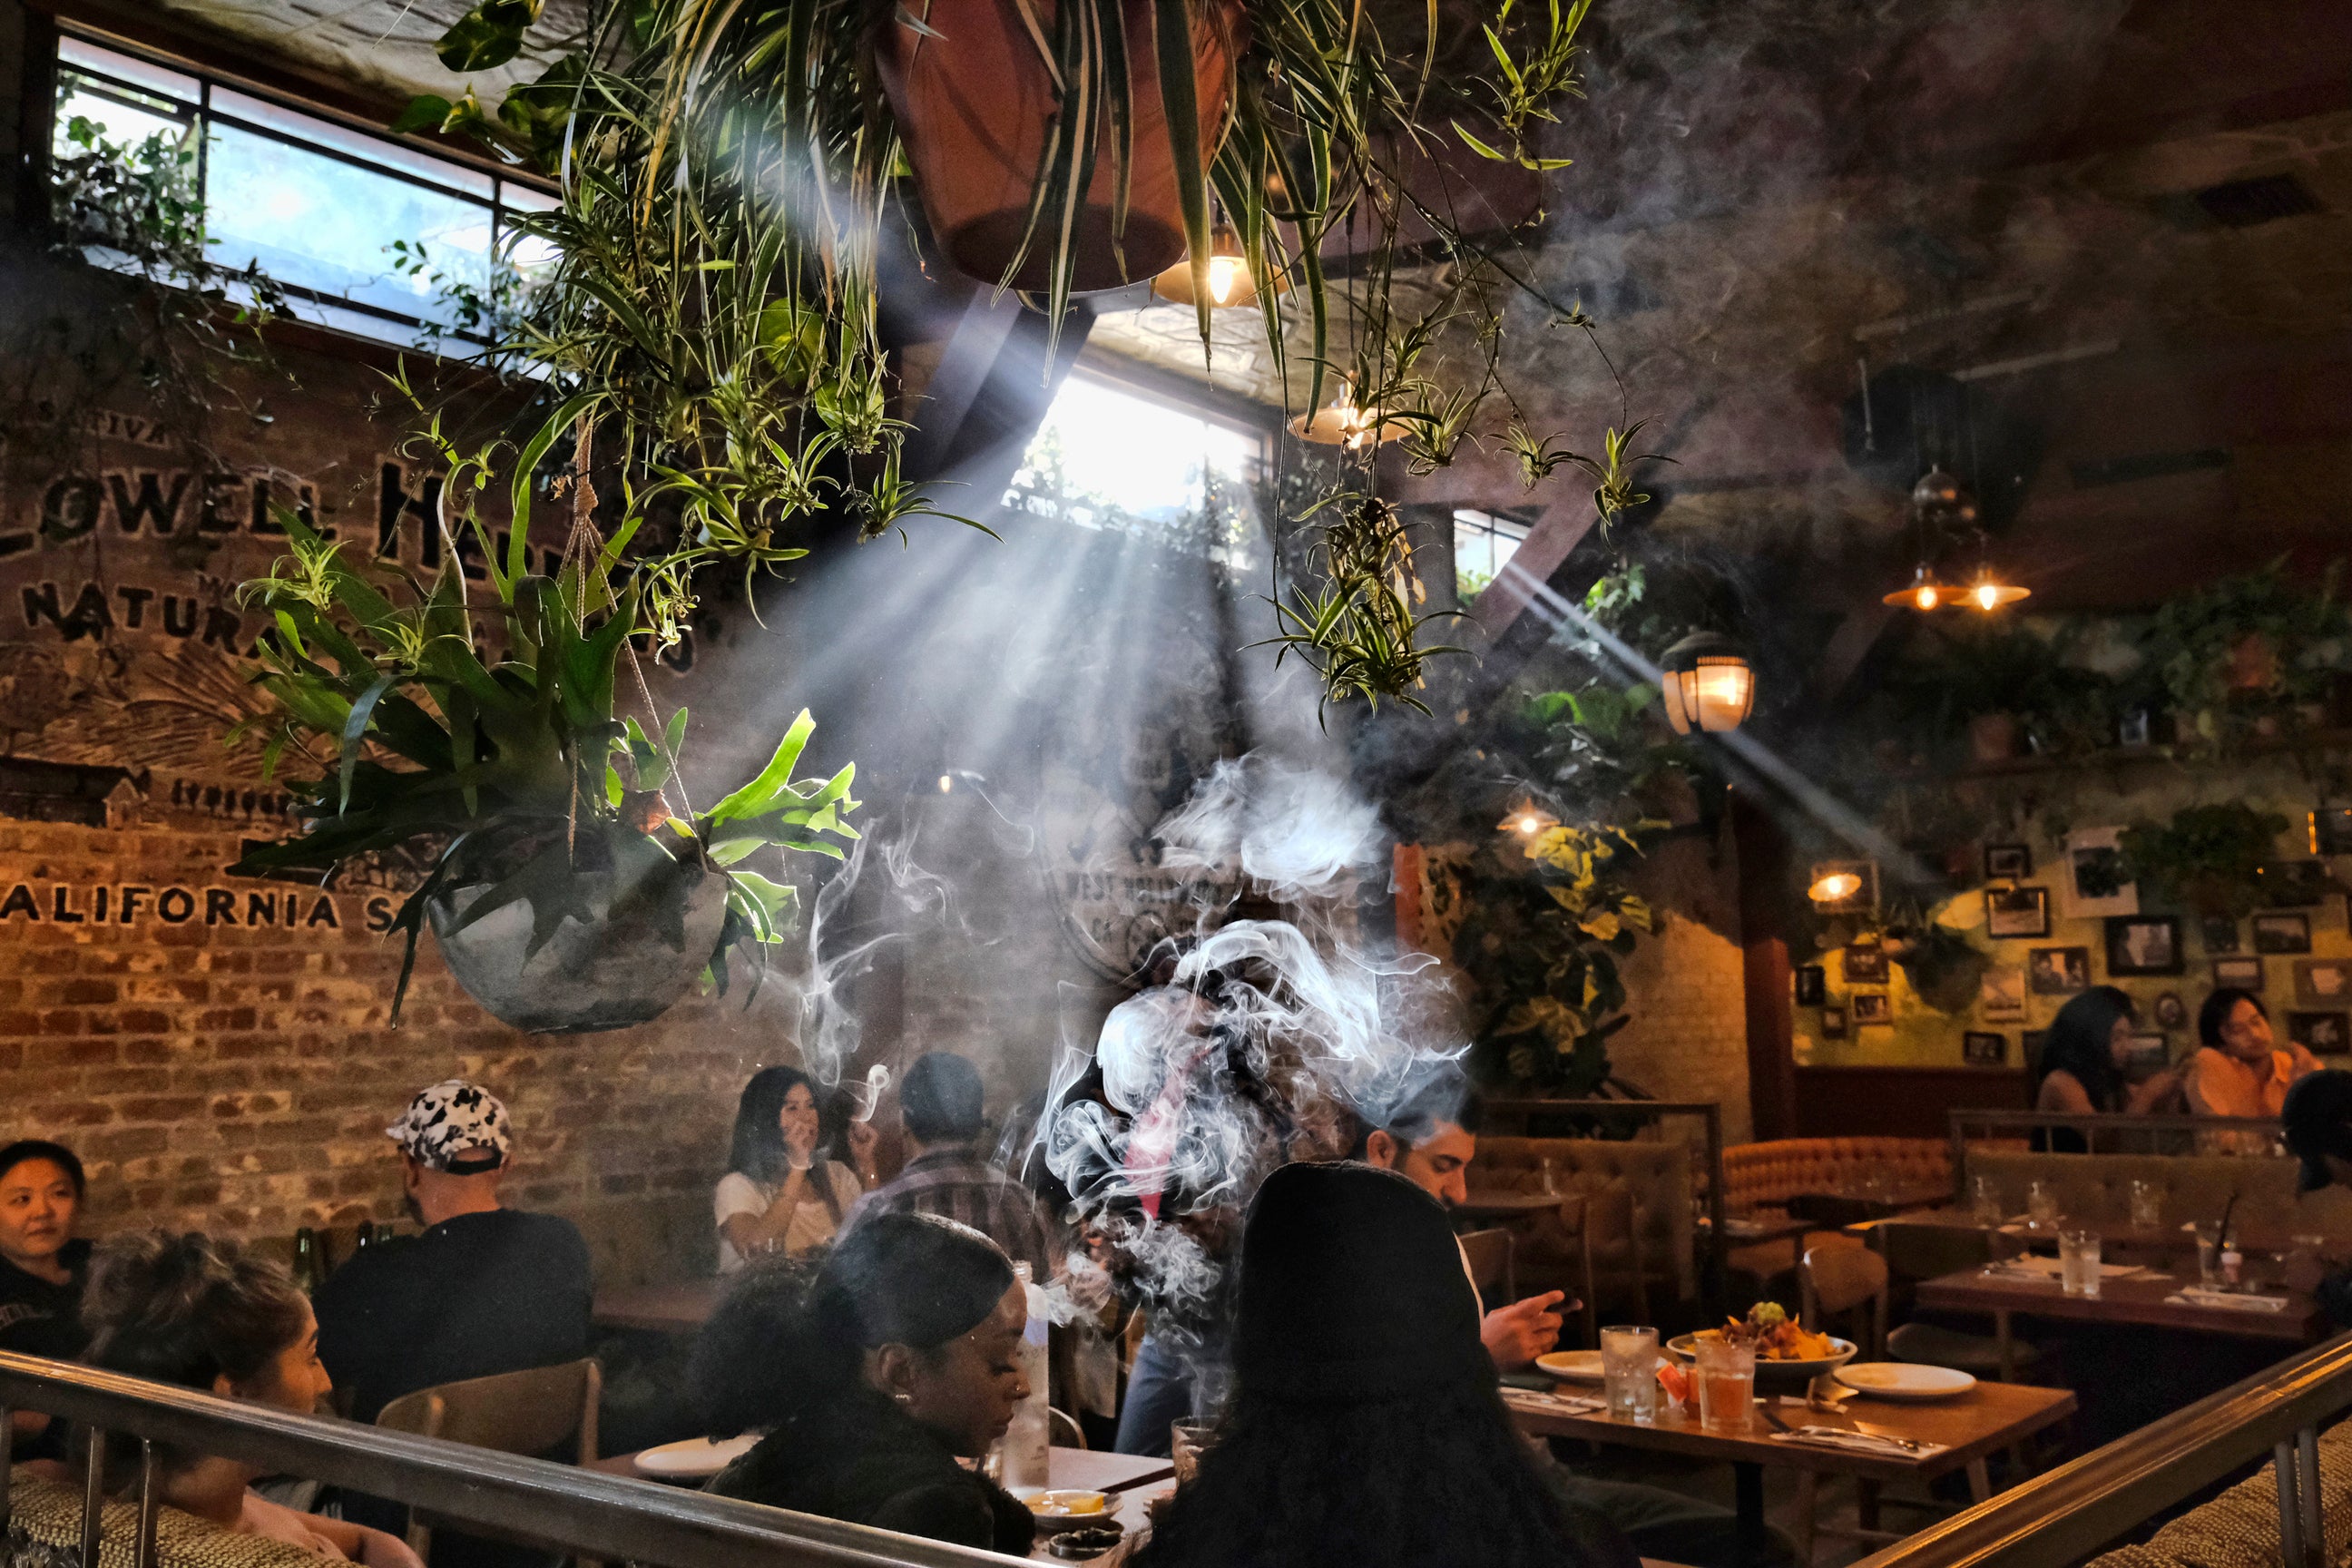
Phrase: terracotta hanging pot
[975,104]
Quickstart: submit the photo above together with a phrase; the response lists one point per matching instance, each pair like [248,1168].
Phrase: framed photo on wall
[2220,934]
[2296,884]
[1984,1050]
[2323,981]
[2000,995]
[2239,974]
[1866,964]
[1833,1023]
[2170,1011]
[1860,899]
[2017,912]
[2144,945]
[2331,830]
[2008,862]
[2094,885]
[2321,1034]
[1812,985]
[1872,1008]
[2058,971]
[2278,933]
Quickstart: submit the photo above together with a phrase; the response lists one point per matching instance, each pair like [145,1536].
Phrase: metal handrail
[581,1511]
[1969,1126]
[2067,1514]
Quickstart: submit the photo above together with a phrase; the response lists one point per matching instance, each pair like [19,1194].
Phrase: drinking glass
[1550,1177]
[1984,1202]
[2146,1206]
[2209,1257]
[2041,1205]
[2078,1262]
[1187,1441]
[1629,1371]
[1727,1385]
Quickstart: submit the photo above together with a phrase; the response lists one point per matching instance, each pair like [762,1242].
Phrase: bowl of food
[1061,1509]
[1789,1357]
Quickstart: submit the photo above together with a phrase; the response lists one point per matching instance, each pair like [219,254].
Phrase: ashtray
[1088,1540]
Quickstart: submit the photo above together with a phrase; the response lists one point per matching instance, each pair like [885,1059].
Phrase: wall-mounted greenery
[2206,858]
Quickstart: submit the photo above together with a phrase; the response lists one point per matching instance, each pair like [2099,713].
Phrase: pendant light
[1231,283]
[1345,425]
[1923,592]
[1708,685]
[1527,819]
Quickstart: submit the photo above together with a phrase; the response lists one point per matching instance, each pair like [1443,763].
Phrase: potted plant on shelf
[566,891]
[2004,685]
[2248,656]
[705,323]
[2209,857]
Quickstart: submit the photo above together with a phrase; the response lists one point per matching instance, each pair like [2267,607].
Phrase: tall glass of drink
[1629,1371]
[1727,1385]
[2078,1262]
[1984,1202]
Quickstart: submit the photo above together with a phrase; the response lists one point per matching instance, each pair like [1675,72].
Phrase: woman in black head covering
[2082,1072]
[1366,1430]
[871,1377]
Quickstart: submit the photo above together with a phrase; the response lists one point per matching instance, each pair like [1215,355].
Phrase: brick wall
[1688,1039]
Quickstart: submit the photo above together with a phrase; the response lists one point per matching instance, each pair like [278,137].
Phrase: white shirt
[811,1224]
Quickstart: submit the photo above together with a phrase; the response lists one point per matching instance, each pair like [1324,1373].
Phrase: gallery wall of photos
[2047,913]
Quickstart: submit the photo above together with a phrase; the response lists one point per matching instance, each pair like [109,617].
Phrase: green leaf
[426,111]
[489,36]
[1172,47]
[355,728]
[773,779]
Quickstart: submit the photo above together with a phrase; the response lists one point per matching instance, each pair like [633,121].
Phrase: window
[313,203]
[1483,544]
[1109,458]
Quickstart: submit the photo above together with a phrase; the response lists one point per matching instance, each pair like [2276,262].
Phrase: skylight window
[1108,458]
[316,204]
[1484,544]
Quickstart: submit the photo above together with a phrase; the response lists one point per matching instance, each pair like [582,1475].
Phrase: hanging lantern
[1708,684]
[1231,284]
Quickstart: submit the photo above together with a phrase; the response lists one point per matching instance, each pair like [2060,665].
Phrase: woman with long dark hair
[872,1376]
[787,1187]
[1366,1430]
[2084,1054]
[201,1314]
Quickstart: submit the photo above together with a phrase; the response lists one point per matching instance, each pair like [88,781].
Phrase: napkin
[1558,1404]
[2197,1296]
[1861,1442]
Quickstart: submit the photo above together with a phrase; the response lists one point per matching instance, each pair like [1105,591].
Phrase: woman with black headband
[900,1356]
[1366,1430]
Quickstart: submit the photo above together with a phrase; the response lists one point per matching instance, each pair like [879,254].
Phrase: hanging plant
[570,886]
[2244,648]
[711,298]
[2209,857]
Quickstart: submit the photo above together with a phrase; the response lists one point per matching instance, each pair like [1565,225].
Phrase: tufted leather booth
[2239,1529]
[1638,1209]
[1757,1174]
[2097,1188]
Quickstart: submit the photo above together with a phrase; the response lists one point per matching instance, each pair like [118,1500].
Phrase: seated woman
[42,1266]
[184,1309]
[871,1377]
[1366,1430]
[782,1191]
[2240,1071]
[2083,1056]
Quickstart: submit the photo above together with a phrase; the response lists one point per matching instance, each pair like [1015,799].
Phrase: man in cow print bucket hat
[479,1289]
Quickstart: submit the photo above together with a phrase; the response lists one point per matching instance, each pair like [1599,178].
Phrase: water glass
[2078,1262]
[1629,1371]
[2209,1257]
[1727,1385]
[1550,1177]
[1187,1441]
[1984,1202]
[2041,1205]
[2146,1206]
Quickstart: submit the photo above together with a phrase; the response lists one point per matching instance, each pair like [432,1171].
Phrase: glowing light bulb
[1837,885]
[1988,596]
[1926,598]
[946,783]
[1528,825]
[1224,272]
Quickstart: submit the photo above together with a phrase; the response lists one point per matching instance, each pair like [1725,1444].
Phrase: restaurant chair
[1928,1252]
[529,1413]
[1840,1279]
[1067,1432]
[1492,1257]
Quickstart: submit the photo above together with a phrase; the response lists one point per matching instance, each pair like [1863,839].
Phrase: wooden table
[1989,1417]
[681,1308]
[1132,1481]
[2141,1302]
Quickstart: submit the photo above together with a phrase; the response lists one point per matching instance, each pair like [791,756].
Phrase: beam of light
[1825,808]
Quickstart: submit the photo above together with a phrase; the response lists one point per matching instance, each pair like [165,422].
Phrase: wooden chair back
[529,1413]
[1490,1253]
[1839,1279]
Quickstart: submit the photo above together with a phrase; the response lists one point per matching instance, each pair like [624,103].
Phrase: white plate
[1575,1366]
[696,1456]
[1905,1379]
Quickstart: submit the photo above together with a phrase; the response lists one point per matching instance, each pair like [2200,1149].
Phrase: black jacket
[863,1460]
